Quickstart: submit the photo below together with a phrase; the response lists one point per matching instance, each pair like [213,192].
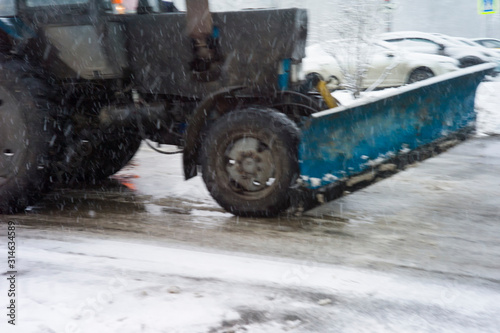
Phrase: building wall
[451,17]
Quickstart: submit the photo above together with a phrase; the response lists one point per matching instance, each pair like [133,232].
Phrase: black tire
[100,155]
[420,74]
[250,161]
[469,61]
[25,136]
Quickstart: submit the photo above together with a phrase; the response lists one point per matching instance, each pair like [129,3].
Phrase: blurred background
[450,17]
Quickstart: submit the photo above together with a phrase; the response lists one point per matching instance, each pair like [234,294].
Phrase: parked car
[490,43]
[495,55]
[441,45]
[387,66]
[468,42]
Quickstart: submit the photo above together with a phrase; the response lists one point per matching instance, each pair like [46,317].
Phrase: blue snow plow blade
[343,142]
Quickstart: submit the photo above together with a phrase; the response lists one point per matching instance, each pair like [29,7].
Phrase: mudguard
[196,124]
[343,142]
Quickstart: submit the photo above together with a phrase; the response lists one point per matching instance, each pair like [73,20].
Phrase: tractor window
[130,5]
[7,8]
[43,3]
[138,6]
[121,6]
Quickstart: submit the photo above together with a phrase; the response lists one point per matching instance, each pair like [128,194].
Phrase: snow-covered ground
[82,281]
[77,283]
[488,107]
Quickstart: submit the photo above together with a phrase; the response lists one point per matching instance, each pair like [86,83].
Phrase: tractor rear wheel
[25,136]
[250,161]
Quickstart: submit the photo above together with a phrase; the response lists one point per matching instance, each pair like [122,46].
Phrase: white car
[490,43]
[386,67]
[495,52]
[439,44]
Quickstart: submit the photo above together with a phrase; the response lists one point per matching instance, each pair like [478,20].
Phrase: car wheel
[420,74]
[469,61]
[333,83]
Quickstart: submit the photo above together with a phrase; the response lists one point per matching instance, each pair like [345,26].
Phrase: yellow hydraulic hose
[330,101]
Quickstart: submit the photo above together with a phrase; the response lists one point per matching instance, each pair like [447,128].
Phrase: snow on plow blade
[341,143]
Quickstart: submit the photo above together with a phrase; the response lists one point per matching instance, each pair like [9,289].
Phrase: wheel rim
[13,137]
[250,166]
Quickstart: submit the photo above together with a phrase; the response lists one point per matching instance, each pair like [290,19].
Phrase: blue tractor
[82,82]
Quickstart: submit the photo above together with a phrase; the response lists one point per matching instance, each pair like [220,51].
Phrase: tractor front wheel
[250,161]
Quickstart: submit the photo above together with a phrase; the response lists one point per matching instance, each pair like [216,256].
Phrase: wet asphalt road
[441,216]
[437,221]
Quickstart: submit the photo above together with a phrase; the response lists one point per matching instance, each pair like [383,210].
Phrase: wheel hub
[250,165]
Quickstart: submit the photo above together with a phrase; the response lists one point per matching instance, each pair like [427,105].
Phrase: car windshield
[468,42]
[43,3]
[451,40]
[491,43]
